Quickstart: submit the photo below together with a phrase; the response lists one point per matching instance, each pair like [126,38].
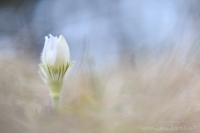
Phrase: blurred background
[137,63]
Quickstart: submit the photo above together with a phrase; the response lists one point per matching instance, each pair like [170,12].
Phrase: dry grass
[111,100]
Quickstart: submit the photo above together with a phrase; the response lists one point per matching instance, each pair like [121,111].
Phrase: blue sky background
[106,32]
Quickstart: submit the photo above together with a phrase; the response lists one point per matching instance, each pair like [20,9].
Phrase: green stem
[55,92]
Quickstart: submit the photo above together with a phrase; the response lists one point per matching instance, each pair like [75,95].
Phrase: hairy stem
[55,92]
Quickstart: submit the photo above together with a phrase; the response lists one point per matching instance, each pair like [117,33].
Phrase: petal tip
[46,38]
[61,36]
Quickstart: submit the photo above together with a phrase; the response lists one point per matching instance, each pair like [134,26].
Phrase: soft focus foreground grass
[111,100]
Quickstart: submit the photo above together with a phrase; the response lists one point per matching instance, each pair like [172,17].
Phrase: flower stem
[55,92]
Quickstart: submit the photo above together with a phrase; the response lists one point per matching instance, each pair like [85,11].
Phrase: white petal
[61,52]
[50,44]
[44,50]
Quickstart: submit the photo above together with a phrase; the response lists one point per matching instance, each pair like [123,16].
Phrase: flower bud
[55,63]
[56,51]
[55,59]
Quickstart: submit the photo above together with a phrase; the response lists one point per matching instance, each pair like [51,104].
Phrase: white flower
[55,59]
[56,51]
[55,64]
